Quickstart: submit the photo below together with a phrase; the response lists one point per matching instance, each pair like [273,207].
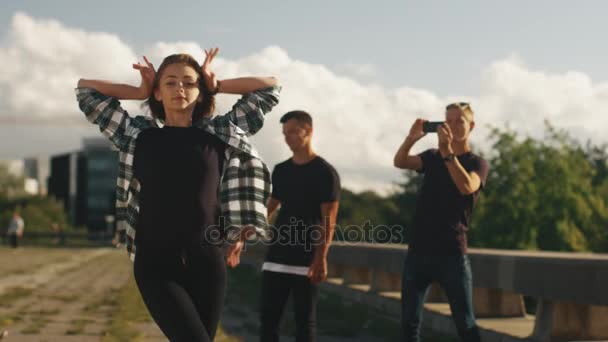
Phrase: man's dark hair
[299,115]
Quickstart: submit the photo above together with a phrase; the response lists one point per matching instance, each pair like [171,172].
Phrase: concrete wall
[571,289]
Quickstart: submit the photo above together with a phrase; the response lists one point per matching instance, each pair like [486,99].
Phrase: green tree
[405,200]
[10,185]
[540,194]
[360,215]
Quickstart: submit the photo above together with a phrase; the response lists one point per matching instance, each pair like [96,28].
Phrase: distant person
[177,178]
[59,234]
[15,230]
[453,179]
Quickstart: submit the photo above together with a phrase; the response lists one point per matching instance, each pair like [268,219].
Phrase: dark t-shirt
[443,214]
[179,171]
[301,189]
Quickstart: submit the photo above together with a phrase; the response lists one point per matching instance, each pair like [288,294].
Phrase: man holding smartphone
[453,178]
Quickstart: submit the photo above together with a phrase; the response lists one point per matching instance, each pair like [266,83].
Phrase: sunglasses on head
[461,105]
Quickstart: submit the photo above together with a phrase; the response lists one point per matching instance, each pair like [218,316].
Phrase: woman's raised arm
[125,91]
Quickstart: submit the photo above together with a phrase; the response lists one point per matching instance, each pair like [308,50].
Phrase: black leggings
[184,291]
[276,288]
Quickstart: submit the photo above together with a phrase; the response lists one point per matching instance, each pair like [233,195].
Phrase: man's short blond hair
[464,108]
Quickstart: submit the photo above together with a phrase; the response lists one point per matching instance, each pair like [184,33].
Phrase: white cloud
[358,126]
[364,71]
[46,59]
[523,98]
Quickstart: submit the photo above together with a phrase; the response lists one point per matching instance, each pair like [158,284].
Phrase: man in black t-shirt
[453,178]
[307,190]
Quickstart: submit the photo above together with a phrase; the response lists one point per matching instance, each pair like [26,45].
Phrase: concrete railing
[571,289]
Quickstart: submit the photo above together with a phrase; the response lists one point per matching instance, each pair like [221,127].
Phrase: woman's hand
[233,254]
[210,79]
[148,74]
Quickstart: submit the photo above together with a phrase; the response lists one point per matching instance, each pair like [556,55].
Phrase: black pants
[183,290]
[13,240]
[276,288]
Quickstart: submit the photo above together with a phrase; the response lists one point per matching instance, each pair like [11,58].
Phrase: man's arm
[403,159]
[272,206]
[329,212]
[466,182]
[318,269]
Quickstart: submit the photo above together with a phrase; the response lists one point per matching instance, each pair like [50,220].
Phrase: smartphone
[431,126]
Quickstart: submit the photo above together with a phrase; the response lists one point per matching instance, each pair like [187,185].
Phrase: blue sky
[365,70]
[437,45]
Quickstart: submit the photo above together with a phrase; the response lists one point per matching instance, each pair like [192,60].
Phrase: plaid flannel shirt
[245,179]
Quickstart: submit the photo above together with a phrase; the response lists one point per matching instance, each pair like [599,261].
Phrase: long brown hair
[203,108]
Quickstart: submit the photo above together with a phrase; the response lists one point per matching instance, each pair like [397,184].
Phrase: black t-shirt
[179,171]
[301,189]
[443,214]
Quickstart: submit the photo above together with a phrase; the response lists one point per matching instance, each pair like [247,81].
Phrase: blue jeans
[453,273]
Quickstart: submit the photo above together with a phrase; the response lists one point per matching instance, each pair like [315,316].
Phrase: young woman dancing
[187,181]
